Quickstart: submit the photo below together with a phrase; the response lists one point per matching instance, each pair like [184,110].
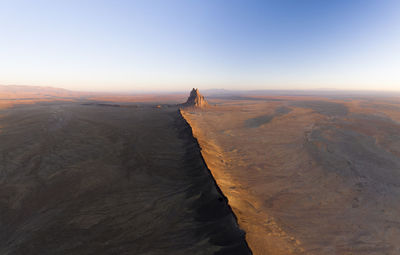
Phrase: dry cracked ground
[307,175]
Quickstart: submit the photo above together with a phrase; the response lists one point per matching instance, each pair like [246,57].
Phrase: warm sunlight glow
[172,45]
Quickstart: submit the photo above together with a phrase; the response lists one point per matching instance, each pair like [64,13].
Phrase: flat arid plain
[307,174]
[260,173]
[79,176]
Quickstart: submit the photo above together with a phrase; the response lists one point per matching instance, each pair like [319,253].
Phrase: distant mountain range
[11,91]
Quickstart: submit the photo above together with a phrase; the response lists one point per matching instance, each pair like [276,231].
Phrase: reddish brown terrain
[97,173]
[17,95]
[81,176]
[307,174]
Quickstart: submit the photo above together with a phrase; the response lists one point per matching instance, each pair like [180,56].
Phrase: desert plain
[263,173]
[82,176]
[307,174]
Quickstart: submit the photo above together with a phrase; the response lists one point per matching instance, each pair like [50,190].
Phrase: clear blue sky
[177,44]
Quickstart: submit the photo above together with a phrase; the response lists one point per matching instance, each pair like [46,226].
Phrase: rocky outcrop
[195,99]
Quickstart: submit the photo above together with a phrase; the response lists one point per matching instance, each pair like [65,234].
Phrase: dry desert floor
[262,174]
[307,175]
[88,178]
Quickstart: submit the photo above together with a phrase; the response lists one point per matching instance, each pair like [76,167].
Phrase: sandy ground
[107,179]
[307,175]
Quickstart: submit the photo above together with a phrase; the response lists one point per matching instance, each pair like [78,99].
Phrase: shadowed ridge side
[234,232]
[195,99]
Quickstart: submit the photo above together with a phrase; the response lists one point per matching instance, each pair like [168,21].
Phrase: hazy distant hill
[234,94]
[10,94]
[25,92]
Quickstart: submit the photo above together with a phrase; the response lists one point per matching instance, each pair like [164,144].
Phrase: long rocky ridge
[87,179]
[222,215]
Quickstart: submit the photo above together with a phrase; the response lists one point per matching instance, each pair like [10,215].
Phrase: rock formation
[195,99]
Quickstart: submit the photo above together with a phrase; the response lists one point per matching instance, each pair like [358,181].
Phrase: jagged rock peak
[196,99]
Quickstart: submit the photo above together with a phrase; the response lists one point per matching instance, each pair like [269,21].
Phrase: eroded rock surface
[195,99]
[85,179]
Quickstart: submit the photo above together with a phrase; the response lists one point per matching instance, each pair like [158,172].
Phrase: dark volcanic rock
[196,99]
[108,180]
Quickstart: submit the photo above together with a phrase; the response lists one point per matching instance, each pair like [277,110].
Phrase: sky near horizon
[174,45]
